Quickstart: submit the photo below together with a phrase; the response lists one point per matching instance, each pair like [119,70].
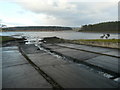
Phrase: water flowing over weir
[70,60]
[91,69]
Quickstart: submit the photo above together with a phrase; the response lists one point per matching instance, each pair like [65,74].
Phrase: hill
[101,27]
[37,28]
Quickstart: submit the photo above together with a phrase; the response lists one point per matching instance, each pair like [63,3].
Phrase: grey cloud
[73,13]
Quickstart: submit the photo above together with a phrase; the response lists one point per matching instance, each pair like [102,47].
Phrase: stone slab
[106,62]
[77,54]
[46,59]
[23,76]
[18,73]
[31,48]
[11,58]
[108,51]
[74,76]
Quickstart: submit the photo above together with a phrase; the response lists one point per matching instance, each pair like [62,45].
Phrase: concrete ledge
[101,44]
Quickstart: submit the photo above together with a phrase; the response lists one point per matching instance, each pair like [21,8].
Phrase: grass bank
[99,31]
[111,43]
[98,40]
[6,38]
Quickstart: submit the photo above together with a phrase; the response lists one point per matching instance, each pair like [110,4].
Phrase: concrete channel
[94,49]
[105,62]
[31,66]
[65,73]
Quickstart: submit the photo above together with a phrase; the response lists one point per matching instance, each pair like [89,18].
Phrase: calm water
[62,34]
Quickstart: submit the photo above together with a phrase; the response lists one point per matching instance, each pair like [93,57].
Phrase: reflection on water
[60,34]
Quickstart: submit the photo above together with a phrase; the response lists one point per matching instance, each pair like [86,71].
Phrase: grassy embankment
[98,40]
[111,43]
[5,39]
[93,31]
[60,40]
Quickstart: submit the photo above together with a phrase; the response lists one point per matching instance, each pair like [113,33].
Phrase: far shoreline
[67,31]
[38,31]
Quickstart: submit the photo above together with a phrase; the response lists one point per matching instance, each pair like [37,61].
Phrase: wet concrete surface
[74,76]
[18,73]
[108,63]
[31,48]
[10,48]
[46,60]
[77,54]
[23,76]
[113,53]
[80,55]
[66,74]
[107,51]
[11,58]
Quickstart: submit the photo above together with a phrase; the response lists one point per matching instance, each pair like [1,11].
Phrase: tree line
[102,27]
[37,28]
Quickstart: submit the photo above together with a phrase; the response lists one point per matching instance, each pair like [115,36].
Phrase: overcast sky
[57,12]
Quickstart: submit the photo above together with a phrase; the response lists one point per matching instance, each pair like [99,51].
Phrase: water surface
[61,34]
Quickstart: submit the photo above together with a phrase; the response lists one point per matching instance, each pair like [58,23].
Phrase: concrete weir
[105,62]
[63,73]
[17,72]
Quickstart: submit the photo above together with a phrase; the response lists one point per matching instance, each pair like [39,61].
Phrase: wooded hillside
[101,27]
[37,28]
